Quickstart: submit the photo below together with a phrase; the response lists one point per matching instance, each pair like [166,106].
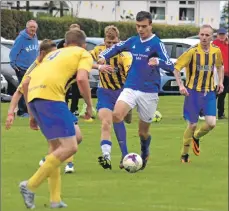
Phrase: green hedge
[12,21]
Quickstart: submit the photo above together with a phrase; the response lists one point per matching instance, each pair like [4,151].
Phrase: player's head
[222,34]
[205,35]
[111,36]
[46,46]
[144,24]
[74,26]
[75,37]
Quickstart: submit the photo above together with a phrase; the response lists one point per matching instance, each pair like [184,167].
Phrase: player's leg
[55,121]
[191,112]
[128,117]
[146,107]
[69,168]
[124,104]
[209,108]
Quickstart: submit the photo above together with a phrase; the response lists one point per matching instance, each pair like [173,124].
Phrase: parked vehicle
[7,71]
[4,84]
[174,47]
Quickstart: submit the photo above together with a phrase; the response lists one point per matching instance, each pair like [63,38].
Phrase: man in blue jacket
[23,54]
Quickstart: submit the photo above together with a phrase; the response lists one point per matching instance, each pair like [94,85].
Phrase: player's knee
[117,117]
[211,125]
[192,126]
[79,139]
[106,125]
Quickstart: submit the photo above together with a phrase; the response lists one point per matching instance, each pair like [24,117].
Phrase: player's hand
[88,113]
[33,124]
[9,121]
[220,88]
[153,61]
[106,68]
[183,90]
[101,61]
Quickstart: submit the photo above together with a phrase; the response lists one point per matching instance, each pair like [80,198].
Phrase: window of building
[182,2]
[187,2]
[186,14]
[157,2]
[158,13]
[191,2]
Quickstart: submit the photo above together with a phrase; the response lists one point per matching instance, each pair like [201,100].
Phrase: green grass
[164,185]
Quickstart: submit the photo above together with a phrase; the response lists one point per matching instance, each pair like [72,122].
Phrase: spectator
[23,53]
[74,88]
[222,42]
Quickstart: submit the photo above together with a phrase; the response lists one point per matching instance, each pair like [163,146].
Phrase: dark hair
[75,36]
[47,45]
[142,15]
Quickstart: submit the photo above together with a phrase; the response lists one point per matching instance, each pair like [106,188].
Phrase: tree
[225,16]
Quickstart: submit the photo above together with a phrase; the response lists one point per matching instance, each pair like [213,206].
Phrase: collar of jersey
[148,38]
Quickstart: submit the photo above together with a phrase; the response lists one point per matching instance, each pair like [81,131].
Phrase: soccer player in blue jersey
[143,81]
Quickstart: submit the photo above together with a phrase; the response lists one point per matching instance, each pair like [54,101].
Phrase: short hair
[207,26]
[75,36]
[47,45]
[74,26]
[27,24]
[111,32]
[142,15]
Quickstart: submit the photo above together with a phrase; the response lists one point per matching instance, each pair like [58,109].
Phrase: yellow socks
[187,139]
[203,130]
[54,182]
[70,159]
[43,172]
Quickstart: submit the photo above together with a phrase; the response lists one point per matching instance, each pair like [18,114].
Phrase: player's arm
[163,61]
[182,62]
[102,68]
[13,104]
[220,71]
[114,50]
[84,67]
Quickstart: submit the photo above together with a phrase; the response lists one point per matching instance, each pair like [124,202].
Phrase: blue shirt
[24,51]
[141,76]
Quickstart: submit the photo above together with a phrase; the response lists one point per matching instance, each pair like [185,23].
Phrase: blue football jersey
[141,76]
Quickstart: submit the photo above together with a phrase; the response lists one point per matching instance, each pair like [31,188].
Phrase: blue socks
[120,132]
[145,147]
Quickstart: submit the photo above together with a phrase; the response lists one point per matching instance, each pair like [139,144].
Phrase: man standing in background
[23,53]
[222,43]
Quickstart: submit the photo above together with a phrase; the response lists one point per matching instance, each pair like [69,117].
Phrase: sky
[221,4]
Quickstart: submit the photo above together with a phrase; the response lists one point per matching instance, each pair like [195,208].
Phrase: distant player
[48,110]
[143,81]
[46,47]
[112,78]
[199,90]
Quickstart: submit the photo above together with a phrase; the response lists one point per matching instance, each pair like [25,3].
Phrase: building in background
[166,12]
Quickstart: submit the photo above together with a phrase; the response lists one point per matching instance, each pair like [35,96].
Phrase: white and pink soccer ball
[132,162]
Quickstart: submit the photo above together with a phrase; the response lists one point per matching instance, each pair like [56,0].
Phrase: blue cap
[222,31]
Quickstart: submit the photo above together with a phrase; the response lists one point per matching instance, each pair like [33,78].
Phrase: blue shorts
[107,98]
[54,118]
[197,101]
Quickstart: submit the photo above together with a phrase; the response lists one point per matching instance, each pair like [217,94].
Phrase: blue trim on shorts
[54,118]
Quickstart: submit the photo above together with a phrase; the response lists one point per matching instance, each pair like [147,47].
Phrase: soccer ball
[132,162]
[157,116]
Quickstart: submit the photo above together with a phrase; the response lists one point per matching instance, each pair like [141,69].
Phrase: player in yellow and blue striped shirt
[199,90]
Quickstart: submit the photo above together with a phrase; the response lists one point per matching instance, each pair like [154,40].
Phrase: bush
[12,21]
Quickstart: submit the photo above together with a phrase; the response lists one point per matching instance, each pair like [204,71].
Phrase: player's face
[32,28]
[144,28]
[205,36]
[109,43]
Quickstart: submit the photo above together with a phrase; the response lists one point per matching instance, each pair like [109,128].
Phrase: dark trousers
[21,104]
[221,97]
[75,97]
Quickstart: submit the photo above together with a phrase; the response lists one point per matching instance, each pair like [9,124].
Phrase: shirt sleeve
[94,54]
[116,49]
[85,62]
[183,60]
[219,59]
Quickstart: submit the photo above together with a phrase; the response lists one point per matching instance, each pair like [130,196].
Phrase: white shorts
[146,103]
